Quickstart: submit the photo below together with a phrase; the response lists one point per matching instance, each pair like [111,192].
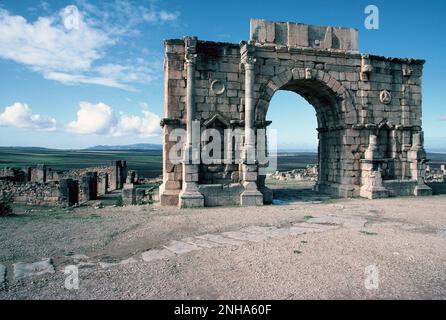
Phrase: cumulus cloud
[93,119]
[69,45]
[101,120]
[20,115]
[146,125]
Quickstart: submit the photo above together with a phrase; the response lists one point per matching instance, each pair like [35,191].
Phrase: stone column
[417,158]
[251,195]
[189,195]
[371,177]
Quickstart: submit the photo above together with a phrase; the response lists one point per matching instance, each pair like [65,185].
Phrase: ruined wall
[33,192]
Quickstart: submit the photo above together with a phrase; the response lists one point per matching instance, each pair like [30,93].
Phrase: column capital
[190,45]
[247,54]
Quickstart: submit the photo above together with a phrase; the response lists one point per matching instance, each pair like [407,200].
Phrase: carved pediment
[216,120]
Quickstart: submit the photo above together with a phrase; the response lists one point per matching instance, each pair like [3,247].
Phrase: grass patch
[308,218]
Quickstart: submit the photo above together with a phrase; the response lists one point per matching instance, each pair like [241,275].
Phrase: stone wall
[43,185]
[368,109]
[33,192]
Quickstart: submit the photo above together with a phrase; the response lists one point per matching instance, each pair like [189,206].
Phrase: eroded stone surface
[245,236]
[24,270]
[180,247]
[220,239]
[201,242]
[156,254]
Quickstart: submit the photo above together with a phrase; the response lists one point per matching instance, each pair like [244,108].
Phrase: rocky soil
[306,246]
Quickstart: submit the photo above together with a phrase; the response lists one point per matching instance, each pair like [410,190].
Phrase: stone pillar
[102,183]
[69,191]
[119,174]
[417,158]
[129,194]
[371,172]
[41,173]
[251,194]
[189,195]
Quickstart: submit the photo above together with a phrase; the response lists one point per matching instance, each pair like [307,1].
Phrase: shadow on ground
[438,187]
[284,193]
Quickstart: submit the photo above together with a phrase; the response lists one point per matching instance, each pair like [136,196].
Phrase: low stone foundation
[220,194]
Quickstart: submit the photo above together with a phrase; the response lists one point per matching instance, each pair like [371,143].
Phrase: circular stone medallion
[385,97]
[217,87]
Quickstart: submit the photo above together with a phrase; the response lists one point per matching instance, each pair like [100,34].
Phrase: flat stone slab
[315,227]
[79,257]
[128,261]
[24,270]
[157,254]
[180,247]
[201,242]
[245,236]
[258,229]
[106,265]
[220,239]
[2,274]
[346,222]
[284,232]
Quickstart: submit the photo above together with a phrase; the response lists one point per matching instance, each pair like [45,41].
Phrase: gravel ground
[405,238]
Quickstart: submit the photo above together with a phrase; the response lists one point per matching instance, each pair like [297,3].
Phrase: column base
[251,198]
[168,197]
[191,200]
[374,192]
[422,190]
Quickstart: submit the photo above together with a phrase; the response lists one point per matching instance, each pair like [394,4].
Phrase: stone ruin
[307,174]
[368,110]
[41,185]
[436,173]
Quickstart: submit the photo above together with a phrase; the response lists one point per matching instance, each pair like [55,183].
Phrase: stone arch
[320,89]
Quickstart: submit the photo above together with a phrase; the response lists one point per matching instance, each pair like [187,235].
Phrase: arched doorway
[335,115]
[294,137]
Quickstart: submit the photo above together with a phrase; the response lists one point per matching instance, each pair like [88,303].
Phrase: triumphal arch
[368,111]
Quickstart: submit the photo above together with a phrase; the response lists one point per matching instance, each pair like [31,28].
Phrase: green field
[147,162]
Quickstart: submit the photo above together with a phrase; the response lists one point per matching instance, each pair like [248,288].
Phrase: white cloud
[145,126]
[69,46]
[100,119]
[93,119]
[46,45]
[443,118]
[20,115]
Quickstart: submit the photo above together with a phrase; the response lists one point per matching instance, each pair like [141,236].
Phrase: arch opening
[328,172]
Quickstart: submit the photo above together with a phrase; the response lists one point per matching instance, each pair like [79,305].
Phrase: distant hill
[137,146]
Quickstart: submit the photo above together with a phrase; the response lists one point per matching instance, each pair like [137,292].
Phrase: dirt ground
[402,239]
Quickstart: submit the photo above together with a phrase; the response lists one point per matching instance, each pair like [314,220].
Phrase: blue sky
[100,80]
